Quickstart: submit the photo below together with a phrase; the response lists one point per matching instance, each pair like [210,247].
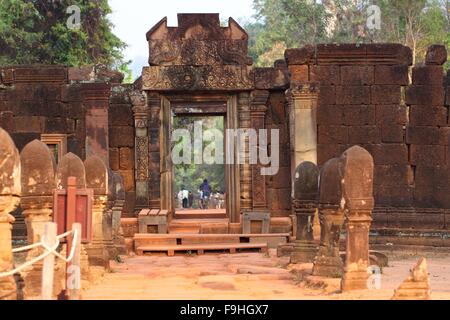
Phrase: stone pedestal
[328,262]
[7,284]
[417,285]
[97,249]
[118,238]
[305,248]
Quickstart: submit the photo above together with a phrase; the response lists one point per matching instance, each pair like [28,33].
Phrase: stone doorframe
[232,171]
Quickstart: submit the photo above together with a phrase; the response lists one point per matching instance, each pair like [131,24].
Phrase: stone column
[154,166]
[140,111]
[246,168]
[96,101]
[119,202]
[306,190]
[357,188]
[101,246]
[10,191]
[328,262]
[303,123]
[258,113]
[38,183]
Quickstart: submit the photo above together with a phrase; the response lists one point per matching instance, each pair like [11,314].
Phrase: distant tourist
[183,196]
[191,199]
[205,191]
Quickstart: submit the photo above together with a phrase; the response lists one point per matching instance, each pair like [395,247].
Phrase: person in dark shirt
[206,193]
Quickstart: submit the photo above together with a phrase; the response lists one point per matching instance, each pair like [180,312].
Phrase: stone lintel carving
[328,262]
[141,113]
[357,167]
[206,77]
[306,189]
[258,111]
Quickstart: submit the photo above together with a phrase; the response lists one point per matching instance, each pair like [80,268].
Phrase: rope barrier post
[70,220]
[49,238]
[74,279]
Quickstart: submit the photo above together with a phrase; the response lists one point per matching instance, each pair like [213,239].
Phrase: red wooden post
[70,220]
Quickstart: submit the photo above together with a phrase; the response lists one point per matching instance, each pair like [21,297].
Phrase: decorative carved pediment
[198,40]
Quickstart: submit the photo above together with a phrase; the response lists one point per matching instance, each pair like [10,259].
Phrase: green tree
[36,31]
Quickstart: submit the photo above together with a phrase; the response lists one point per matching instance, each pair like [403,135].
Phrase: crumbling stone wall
[367,98]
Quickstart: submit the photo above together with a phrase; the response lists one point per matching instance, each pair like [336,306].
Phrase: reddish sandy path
[243,276]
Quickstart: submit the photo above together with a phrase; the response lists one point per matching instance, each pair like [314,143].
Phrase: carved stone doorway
[199,104]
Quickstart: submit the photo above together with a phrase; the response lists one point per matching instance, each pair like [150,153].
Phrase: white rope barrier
[48,251]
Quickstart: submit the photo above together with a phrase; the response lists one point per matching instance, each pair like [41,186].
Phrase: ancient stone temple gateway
[323,99]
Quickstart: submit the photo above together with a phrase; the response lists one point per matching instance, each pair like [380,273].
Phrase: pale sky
[133,18]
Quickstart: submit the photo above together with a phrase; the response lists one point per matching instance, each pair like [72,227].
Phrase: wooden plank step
[201,248]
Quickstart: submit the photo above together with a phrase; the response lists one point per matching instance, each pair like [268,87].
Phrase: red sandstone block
[126,159]
[422,135]
[392,133]
[428,75]
[121,115]
[71,92]
[364,134]
[436,55]
[299,73]
[326,152]
[303,55]
[281,179]
[393,175]
[332,134]
[114,159]
[388,153]
[357,75]
[444,136]
[81,74]
[438,176]
[128,179]
[425,95]
[391,75]
[29,124]
[6,121]
[447,100]
[330,114]
[55,125]
[327,95]
[398,54]
[427,155]
[352,95]
[359,115]
[386,94]
[121,136]
[394,196]
[428,116]
[325,75]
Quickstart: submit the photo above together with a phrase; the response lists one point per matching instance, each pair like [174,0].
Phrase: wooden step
[201,248]
[272,240]
[201,214]
[184,229]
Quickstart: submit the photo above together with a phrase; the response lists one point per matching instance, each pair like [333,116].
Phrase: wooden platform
[191,226]
[206,242]
[201,248]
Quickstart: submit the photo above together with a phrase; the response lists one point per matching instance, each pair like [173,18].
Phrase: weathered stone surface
[328,262]
[397,75]
[424,115]
[121,136]
[428,75]
[359,115]
[96,175]
[353,95]
[357,188]
[436,55]
[364,134]
[325,75]
[425,95]
[10,190]
[417,284]
[386,94]
[304,55]
[70,166]
[357,75]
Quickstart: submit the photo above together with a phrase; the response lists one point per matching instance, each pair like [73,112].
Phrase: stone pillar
[306,189]
[154,166]
[140,111]
[10,191]
[258,113]
[246,169]
[328,262]
[38,183]
[303,123]
[101,247]
[357,188]
[96,102]
[119,202]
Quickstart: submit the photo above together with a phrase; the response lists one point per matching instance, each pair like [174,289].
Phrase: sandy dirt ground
[248,276]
